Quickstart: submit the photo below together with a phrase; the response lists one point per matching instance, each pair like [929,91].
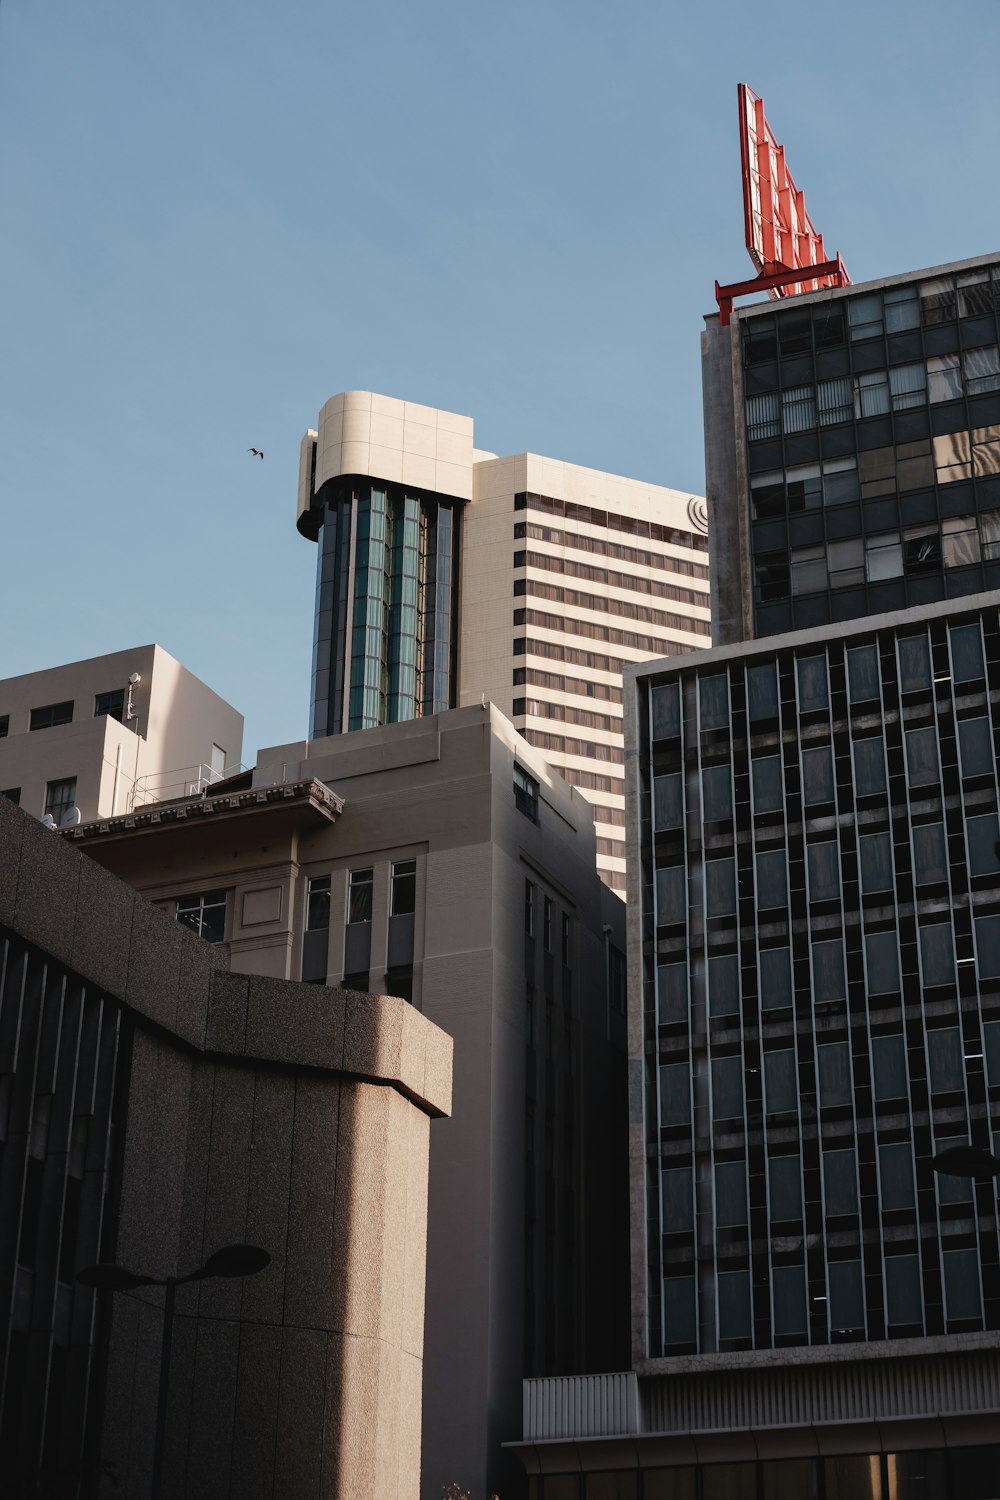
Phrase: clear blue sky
[216,215]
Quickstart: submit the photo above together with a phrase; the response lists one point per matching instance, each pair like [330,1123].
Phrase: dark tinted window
[52,714]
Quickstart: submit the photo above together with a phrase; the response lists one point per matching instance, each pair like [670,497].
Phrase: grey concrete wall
[293,1117]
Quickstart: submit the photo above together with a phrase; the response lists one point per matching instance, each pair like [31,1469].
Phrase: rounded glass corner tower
[385,630]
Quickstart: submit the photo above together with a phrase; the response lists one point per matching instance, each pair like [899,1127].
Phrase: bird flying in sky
[257,453]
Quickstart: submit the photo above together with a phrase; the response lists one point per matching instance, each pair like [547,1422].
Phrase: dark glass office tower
[820,983]
[385,633]
[852,442]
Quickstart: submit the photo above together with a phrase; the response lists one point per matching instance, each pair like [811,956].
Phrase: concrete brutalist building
[153,1107]
[814,947]
[443,861]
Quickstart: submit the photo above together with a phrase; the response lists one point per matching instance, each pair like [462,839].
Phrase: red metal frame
[780,236]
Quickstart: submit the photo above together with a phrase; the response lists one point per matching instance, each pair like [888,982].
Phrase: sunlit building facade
[448,576]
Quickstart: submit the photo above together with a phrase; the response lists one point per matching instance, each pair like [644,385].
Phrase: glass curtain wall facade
[871,444]
[820,926]
[385,634]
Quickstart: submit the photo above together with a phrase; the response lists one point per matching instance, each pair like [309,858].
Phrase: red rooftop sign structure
[781,238]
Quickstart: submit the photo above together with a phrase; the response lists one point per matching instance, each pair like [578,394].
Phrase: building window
[944,1060]
[902,308]
[668,801]
[884,556]
[13,794]
[720,887]
[723,985]
[678,1199]
[4,726]
[789,1289]
[869,766]
[882,963]
[921,757]
[817,776]
[717,794]
[895,1171]
[902,1291]
[829,981]
[975,745]
[727,1087]
[875,851]
[762,692]
[60,796]
[525,793]
[823,862]
[944,378]
[731,1194]
[316,938]
[967,653]
[52,714]
[775,978]
[713,701]
[982,370]
[983,834]
[833,1065]
[914,663]
[671,895]
[798,408]
[889,1067]
[763,416]
[937,954]
[784,1187]
[675,1094]
[205,914]
[318,903]
[834,401]
[734,1305]
[781,1089]
[930,855]
[666,713]
[772,879]
[812,683]
[403,894]
[768,790]
[840,1182]
[864,314]
[110,705]
[359,896]
[672,989]
[862,674]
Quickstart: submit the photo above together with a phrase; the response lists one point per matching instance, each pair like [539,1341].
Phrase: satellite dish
[48,821]
[135,678]
[70,817]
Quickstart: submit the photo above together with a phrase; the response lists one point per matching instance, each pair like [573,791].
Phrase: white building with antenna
[99,738]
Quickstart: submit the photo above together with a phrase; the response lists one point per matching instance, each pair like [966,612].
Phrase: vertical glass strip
[370,632]
[404,615]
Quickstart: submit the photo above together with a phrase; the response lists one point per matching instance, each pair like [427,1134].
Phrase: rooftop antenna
[780,236]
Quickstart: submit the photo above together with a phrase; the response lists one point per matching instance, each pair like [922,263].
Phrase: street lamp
[967,1161]
[232,1261]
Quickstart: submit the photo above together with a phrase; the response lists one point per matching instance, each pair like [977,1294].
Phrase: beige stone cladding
[586,572]
[293,1117]
[539,1046]
[381,437]
[179,734]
